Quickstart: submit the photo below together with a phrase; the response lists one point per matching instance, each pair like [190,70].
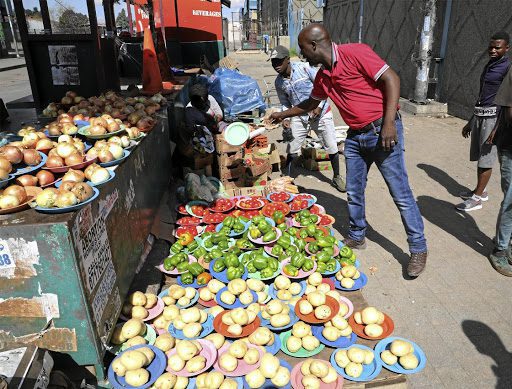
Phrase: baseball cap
[279,52]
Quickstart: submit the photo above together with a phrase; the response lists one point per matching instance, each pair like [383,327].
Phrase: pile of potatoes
[218,340]
[347,276]
[237,318]
[262,337]
[336,328]
[277,312]
[237,289]
[287,290]
[301,337]
[215,380]
[131,363]
[258,287]
[209,292]
[179,295]
[130,333]
[138,305]
[165,342]
[187,357]
[270,368]
[314,283]
[315,302]
[315,372]
[170,381]
[190,321]
[402,352]
[353,359]
[372,320]
[236,351]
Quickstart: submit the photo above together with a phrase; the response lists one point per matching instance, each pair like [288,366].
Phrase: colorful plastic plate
[152,312]
[388,326]
[296,224]
[331,273]
[237,303]
[150,337]
[341,342]
[222,328]
[208,351]
[175,272]
[297,376]
[269,221]
[190,204]
[27,169]
[293,319]
[369,371]
[180,230]
[335,248]
[243,367]
[223,275]
[317,209]
[358,284]
[268,383]
[302,353]
[191,303]
[155,369]
[78,166]
[310,204]
[73,208]
[278,232]
[302,273]
[331,222]
[207,304]
[186,213]
[192,285]
[257,275]
[115,162]
[207,330]
[273,292]
[385,344]
[290,198]
[226,210]
[349,304]
[19,208]
[237,133]
[312,198]
[232,233]
[238,204]
[311,318]
[112,176]
[84,131]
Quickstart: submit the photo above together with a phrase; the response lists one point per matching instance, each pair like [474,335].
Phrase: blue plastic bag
[237,92]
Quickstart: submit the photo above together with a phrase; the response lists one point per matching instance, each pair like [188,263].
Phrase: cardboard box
[315,154]
[230,160]
[260,180]
[221,146]
[228,173]
[233,184]
[199,161]
[313,165]
[247,191]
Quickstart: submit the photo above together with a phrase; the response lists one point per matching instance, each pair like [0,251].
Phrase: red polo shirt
[352,84]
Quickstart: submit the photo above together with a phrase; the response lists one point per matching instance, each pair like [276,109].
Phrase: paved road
[14,84]
[459,309]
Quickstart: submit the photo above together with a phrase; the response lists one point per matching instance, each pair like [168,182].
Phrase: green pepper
[298,260]
[322,256]
[254,232]
[319,234]
[243,219]
[207,258]
[264,227]
[283,242]
[208,243]
[229,221]
[292,231]
[291,270]
[176,248]
[192,246]
[273,264]
[245,259]
[223,245]
[292,250]
[308,264]
[257,219]
[303,233]
[329,251]
[195,269]
[182,266]
[301,244]
[269,236]
[187,278]
[168,265]
[346,252]
[311,229]
[277,250]
[260,262]
[330,265]
[235,250]
[278,217]
[324,242]
[219,266]
[232,273]
[225,231]
[200,252]
[282,227]
[313,218]
[282,256]
[231,260]
[250,267]
[321,267]
[216,253]
[267,273]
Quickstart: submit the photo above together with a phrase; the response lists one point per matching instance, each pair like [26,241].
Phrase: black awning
[227,3]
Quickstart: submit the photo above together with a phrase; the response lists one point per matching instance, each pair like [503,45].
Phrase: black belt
[375,123]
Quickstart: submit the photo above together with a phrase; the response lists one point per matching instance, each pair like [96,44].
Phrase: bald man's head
[315,44]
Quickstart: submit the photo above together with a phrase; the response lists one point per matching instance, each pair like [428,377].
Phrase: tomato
[189,221]
[182,210]
[251,203]
[251,214]
[186,229]
[298,204]
[315,209]
[198,210]
[210,228]
[280,196]
[214,218]
[325,220]
[303,196]
[222,205]
[269,209]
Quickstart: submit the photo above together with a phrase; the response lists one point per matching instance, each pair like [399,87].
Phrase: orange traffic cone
[163,60]
[151,79]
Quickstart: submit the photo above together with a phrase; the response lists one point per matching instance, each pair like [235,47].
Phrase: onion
[74,175]
[55,130]
[82,191]
[66,185]
[18,191]
[90,169]
[133,118]
[5,165]
[53,152]
[27,180]
[114,139]
[97,130]
[99,175]
[71,94]
[79,145]
[133,132]
[12,154]
[74,159]
[65,139]
[70,129]
[100,144]
[31,157]
[113,127]
[145,123]
[78,99]
[105,155]
[92,154]
[101,121]
[66,100]
[44,144]
[54,161]
[30,140]
[65,199]
[125,141]
[8,201]
[80,116]
[150,110]
[65,149]
[116,150]
[45,177]
[46,199]
[4,174]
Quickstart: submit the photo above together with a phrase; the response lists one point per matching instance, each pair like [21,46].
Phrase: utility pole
[233,29]
[425,52]
[13,31]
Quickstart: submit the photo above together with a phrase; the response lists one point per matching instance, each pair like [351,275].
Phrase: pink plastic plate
[209,352]
[349,304]
[175,271]
[243,368]
[296,379]
[152,313]
[260,239]
[302,273]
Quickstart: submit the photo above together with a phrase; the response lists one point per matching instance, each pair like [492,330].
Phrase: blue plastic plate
[257,275]
[342,342]
[358,284]
[155,369]
[239,381]
[192,302]
[233,233]
[207,330]
[192,285]
[331,273]
[237,303]
[47,133]
[268,383]
[82,123]
[385,344]
[293,319]
[273,292]
[28,169]
[369,371]
[115,162]
[3,183]
[276,346]
[112,175]
[223,275]
[269,220]
[69,209]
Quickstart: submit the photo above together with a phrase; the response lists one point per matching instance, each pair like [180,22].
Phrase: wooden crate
[234,183]
[226,173]
[260,180]
[230,160]
[259,166]
[221,146]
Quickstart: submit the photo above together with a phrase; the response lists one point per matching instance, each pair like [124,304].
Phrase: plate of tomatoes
[222,205]
[300,204]
[269,209]
[250,204]
[306,196]
[189,221]
[182,210]
[197,208]
[326,220]
[317,209]
[210,228]
[194,230]
[214,218]
[281,197]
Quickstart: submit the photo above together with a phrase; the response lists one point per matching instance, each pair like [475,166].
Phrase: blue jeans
[362,149]
[504,224]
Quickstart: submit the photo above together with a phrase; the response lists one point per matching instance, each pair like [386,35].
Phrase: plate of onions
[125,155]
[55,164]
[16,198]
[50,200]
[32,160]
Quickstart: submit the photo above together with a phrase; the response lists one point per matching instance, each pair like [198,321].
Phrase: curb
[24,65]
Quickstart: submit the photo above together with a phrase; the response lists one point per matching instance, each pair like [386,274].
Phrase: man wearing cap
[366,91]
[294,84]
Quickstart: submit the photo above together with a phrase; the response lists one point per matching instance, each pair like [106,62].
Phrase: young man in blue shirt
[294,84]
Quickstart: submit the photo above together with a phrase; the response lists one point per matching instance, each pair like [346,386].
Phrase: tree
[71,20]
[122,20]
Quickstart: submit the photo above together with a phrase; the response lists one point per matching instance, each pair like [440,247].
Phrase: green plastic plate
[236,134]
[302,353]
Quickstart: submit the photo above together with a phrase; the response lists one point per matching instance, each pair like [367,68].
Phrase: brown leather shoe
[416,264]
[355,244]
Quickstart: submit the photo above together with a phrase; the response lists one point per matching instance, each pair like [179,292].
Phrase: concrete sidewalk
[11,63]
[458,310]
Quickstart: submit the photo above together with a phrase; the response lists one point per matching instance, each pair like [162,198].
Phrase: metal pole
[425,52]
[233,29]
[8,6]
[361,12]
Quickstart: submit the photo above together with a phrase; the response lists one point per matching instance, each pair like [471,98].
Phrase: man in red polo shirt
[366,91]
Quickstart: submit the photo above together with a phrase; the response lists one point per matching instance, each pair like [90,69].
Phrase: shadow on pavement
[452,186]
[459,224]
[487,342]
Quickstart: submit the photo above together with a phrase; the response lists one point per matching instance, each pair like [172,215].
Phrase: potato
[373,330]
[239,316]
[357,275]
[203,316]
[269,365]
[251,316]
[344,309]
[274,307]
[256,285]
[346,332]
[272,339]
[319,368]
[265,315]
[315,279]
[217,339]
[370,315]
[409,361]
[255,379]
[282,377]
[132,328]
[355,354]
[117,336]
[323,288]
[151,300]
[137,377]
[126,310]
[161,323]
[175,363]
[295,288]
[311,382]
[227,297]
[342,358]
[339,322]
[280,320]
[254,307]
[322,312]
[252,356]
[381,318]
[357,317]
[139,312]
[171,312]
[339,276]
[368,357]
[331,333]
[135,341]
[229,383]
[183,301]
[305,307]
[181,383]
[354,369]
[260,337]
[246,298]
[400,347]
[335,295]
[388,357]
[348,271]
[118,367]
[228,362]
[177,292]
[165,381]
[178,323]
[150,355]
[286,309]
[262,296]
[309,342]
[331,376]
[215,285]
[192,330]
[316,299]
[133,359]
[301,329]
[206,295]
[237,286]
[137,299]
[235,329]
[190,292]
[310,289]
[214,379]
[214,311]
[227,319]
[186,350]
[238,349]
[190,315]
[165,342]
[304,368]
[293,344]
[196,364]
[282,282]
[347,283]
[284,295]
